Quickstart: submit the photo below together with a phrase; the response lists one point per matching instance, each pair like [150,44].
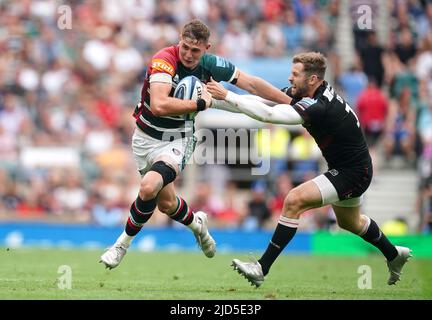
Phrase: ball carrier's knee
[166,171]
[151,185]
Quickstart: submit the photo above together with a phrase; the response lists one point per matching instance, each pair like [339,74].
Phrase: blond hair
[196,30]
[314,63]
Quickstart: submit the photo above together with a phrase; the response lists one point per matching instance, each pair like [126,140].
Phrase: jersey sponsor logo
[162,65]
[221,62]
[334,172]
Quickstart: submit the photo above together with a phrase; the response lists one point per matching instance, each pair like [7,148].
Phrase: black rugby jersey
[335,127]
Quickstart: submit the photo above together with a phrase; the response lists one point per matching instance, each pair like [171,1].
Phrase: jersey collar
[320,89]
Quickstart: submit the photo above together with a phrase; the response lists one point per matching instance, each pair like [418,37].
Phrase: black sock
[140,212]
[377,238]
[182,213]
[285,231]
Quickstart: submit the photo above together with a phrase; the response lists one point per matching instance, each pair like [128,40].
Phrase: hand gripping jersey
[166,63]
[335,127]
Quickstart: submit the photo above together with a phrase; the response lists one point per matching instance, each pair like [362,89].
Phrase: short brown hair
[313,63]
[196,30]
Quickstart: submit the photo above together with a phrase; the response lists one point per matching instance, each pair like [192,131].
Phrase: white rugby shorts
[146,149]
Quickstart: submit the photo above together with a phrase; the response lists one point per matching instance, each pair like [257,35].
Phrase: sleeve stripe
[233,76]
[161,77]
[300,106]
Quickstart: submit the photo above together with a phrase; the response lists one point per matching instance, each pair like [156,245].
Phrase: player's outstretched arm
[260,87]
[224,105]
[228,106]
[253,107]
[278,114]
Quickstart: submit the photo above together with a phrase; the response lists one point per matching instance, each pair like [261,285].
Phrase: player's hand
[217,90]
[207,97]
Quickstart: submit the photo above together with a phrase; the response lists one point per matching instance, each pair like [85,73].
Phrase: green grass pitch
[34,274]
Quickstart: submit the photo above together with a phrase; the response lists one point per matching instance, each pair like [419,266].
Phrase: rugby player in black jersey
[336,129]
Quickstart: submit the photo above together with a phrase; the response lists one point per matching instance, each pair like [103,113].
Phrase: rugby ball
[189,88]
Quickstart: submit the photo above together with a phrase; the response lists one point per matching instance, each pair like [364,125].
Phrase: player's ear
[313,79]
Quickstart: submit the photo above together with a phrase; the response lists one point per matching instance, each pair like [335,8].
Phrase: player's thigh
[147,151]
[303,197]
[142,147]
[175,153]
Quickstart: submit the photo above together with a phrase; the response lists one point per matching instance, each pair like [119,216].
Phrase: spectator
[107,213]
[8,150]
[372,58]
[424,60]
[126,58]
[237,43]
[406,48]
[426,201]
[229,215]
[10,197]
[424,21]
[292,31]
[273,142]
[271,9]
[304,9]
[268,40]
[305,156]
[400,129]
[283,185]
[372,109]
[98,51]
[204,200]
[72,197]
[258,210]
[30,206]
[13,117]
[353,82]
[405,77]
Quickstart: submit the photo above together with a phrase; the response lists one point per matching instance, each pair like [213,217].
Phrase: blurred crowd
[67,94]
